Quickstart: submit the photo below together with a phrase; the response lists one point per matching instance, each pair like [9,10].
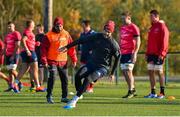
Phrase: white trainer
[71,104]
[151,96]
[81,97]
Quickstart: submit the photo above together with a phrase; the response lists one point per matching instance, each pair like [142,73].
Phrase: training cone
[171,98]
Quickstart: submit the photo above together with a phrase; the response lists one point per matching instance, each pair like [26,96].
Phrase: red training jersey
[10,42]
[30,42]
[158,39]
[127,42]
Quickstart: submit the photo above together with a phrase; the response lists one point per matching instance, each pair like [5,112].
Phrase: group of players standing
[12,52]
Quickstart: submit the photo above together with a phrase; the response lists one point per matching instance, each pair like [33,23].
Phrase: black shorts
[154,59]
[14,61]
[40,65]
[126,58]
[28,59]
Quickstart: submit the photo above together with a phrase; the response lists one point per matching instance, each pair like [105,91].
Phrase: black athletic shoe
[130,94]
[65,100]
[134,92]
[8,90]
[50,100]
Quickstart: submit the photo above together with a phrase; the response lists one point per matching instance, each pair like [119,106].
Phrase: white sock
[75,98]
[38,85]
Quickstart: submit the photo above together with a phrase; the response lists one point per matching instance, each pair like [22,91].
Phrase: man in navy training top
[104,47]
[85,49]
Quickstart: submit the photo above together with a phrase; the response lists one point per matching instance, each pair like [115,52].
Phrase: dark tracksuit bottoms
[103,49]
[62,71]
[89,76]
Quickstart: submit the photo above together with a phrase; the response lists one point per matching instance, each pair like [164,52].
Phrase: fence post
[166,69]
[117,75]
[73,75]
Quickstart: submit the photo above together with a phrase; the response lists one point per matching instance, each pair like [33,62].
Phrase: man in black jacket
[104,47]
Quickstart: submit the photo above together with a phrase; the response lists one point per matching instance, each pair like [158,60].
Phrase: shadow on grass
[23,102]
[154,102]
[26,98]
[30,104]
[93,100]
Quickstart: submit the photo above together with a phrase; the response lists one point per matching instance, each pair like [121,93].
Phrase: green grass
[105,101]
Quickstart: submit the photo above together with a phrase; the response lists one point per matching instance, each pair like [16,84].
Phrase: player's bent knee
[83,70]
[94,76]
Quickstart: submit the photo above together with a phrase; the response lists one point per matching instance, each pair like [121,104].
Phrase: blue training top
[85,48]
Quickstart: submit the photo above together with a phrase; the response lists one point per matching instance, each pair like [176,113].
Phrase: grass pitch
[105,101]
